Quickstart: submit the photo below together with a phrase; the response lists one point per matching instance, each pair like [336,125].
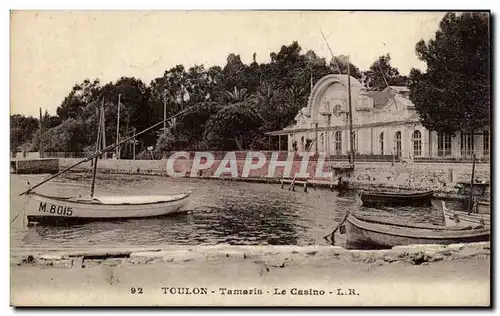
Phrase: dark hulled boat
[397,198]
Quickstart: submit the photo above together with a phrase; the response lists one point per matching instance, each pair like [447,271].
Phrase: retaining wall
[30,166]
[440,177]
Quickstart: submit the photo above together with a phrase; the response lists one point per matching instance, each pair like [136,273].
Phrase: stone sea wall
[32,166]
[440,177]
[273,255]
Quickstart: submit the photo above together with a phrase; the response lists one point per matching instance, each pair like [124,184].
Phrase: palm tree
[238,95]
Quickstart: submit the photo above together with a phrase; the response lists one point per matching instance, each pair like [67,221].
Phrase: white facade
[384,123]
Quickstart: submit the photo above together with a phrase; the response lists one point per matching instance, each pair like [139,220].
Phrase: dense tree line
[453,95]
[232,107]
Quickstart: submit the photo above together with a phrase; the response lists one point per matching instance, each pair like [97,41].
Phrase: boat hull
[372,235]
[50,210]
[397,199]
[457,218]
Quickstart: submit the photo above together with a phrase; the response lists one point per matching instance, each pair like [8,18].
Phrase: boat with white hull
[48,209]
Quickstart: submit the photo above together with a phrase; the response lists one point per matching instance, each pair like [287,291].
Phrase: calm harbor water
[227,212]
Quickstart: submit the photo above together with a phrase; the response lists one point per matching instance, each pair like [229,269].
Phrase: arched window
[381,142]
[417,143]
[338,142]
[397,143]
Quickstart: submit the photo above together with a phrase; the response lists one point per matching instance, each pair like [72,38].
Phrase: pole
[316,136]
[472,181]
[41,134]
[100,152]
[103,128]
[93,178]
[351,160]
[118,129]
[99,126]
[164,112]
[327,137]
[134,148]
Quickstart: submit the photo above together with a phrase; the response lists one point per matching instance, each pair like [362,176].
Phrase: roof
[380,98]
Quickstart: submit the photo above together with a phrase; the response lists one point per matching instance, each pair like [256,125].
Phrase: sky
[51,51]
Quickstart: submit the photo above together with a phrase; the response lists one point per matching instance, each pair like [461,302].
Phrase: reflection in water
[222,212]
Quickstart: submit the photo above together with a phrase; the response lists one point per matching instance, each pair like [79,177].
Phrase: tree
[70,136]
[81,95]
[454,94]
[134,109]
[21,130]
[189,127]
[233,124]
[50,121]
[233,73]
[381,74]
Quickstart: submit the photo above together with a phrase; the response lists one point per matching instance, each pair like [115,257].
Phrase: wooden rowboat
[365,233]
[401,198]
[458,218]
[47,209]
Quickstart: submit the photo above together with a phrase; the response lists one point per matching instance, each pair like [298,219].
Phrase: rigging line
[333,57]
[383,75]
[110,147]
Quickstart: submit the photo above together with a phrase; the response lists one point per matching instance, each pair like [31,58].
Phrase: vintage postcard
[250,158]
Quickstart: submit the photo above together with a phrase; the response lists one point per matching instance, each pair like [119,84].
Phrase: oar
[100,152]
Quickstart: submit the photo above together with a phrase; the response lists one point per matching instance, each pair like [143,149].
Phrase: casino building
[385,123]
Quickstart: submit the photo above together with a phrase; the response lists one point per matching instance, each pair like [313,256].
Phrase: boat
[45,209]
[400,198]
[369,233]
[460,218]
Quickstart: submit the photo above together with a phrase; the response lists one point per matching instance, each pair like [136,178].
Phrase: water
[230,212]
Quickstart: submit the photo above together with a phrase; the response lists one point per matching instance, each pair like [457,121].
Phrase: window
[486,143]
[397,143]
[444,144]
[466,144]
[417,143]
[381,141]
[338,142]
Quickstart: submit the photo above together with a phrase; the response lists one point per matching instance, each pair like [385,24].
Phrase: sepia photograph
[250,158]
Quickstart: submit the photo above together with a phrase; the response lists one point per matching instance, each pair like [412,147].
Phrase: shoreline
[75,257]
[313,183]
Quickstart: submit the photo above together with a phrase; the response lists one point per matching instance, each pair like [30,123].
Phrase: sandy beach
[432,275]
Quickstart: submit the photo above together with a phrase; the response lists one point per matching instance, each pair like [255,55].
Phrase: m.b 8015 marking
[55,209]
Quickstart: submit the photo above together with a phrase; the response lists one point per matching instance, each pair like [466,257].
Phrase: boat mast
[106,149]
[97,147]
[41,134]
[118,129]
[351,157]
[472,183]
